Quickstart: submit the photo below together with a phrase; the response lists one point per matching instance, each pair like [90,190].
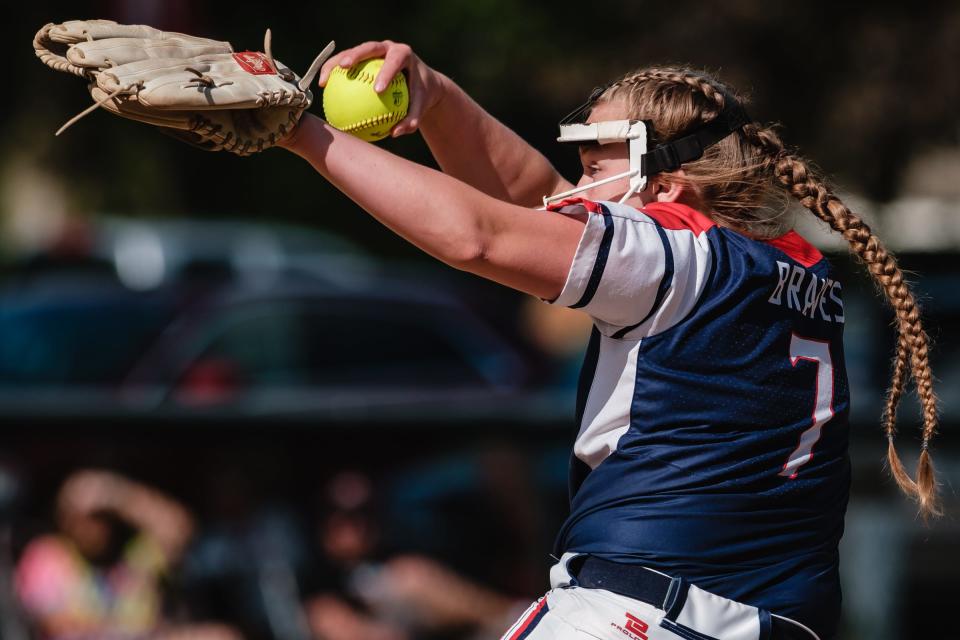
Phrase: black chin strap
[669,156]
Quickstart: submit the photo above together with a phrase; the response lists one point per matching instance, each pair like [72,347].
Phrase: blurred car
[248,326]
[144,254]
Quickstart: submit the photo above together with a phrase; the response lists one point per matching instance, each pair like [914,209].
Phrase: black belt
[629,580]
[663,592]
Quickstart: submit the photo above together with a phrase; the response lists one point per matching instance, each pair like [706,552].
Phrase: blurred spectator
[367,593]
[100,575]
[246,564]
[490,495]
[12,626]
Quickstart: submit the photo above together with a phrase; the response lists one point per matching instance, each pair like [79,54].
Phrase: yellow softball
[350,103]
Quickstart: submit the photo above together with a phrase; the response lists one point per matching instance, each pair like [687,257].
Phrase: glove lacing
[130,89]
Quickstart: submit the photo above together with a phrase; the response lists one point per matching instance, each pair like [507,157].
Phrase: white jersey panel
[631,275]
[635,278]
[617,268]
[691,268]
[606,415]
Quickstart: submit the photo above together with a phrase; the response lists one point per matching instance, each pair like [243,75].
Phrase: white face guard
[632,132]
[666,157]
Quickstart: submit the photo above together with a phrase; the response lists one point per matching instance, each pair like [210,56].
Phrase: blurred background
[234,406]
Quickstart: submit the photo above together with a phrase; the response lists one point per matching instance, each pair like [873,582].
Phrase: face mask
[633,132]
[665,157]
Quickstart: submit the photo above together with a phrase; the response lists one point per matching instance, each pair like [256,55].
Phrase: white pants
[570,612]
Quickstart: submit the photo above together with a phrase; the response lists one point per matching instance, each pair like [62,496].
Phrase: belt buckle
[676,597]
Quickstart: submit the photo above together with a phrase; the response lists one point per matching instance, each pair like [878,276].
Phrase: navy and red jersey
[712,407]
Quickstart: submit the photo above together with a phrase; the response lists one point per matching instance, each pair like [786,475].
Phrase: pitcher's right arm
[467,142]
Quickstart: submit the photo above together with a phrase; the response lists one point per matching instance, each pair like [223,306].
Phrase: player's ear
[667,190]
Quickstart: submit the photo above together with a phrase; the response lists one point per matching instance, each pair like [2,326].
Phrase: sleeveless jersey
[712,407]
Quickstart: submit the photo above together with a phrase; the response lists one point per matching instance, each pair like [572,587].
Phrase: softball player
[709,475]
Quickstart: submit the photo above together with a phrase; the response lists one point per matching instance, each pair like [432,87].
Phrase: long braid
[800,181]
[767,141]
[676,99]
[898,380]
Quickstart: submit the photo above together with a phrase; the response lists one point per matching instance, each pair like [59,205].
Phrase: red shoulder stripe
[589,205]
[673,215]
[797,247]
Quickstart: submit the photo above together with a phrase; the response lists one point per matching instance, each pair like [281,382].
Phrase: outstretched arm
[530,251]
[467,142]
[471,144]
[143,507]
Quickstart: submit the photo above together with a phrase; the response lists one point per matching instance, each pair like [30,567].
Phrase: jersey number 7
[817,351]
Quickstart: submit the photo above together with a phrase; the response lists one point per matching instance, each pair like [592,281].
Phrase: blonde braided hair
[737,180]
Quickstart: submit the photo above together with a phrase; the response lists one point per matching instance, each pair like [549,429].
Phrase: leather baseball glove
[198,90]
